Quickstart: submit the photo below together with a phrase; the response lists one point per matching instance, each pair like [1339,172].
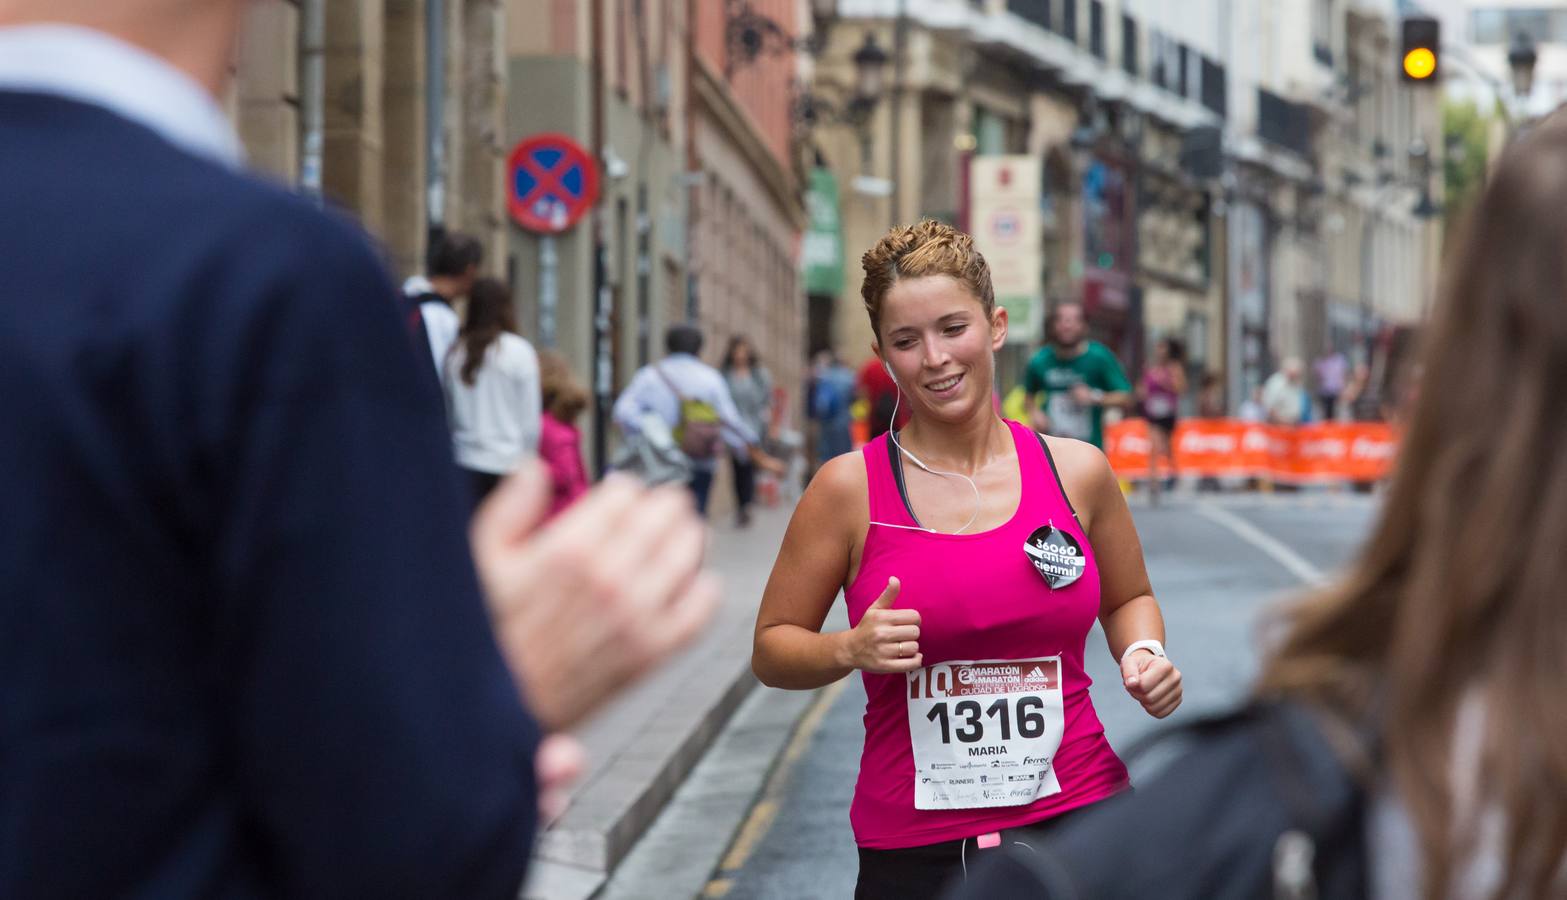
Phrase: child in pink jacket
[560,443]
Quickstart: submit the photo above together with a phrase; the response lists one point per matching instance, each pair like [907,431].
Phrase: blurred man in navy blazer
[244,649]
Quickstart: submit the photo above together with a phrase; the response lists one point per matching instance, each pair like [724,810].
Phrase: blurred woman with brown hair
[1450,634]
[1434,671]
[492,389]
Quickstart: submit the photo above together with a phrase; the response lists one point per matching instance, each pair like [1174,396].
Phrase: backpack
[827,400]
[699,430]
[1258,805]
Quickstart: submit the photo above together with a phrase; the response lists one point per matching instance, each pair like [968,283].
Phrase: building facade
[379,152]
[1295,232]
[746,195]
[699,214]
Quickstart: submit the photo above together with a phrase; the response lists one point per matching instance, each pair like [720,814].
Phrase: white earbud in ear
[888,366]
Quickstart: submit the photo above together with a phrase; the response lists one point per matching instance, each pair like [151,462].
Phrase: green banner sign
[821,252]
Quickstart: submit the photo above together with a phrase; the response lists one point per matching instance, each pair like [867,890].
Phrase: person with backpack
[832,398]
[974,556]
[690,399]
[1408,733]
[452,266]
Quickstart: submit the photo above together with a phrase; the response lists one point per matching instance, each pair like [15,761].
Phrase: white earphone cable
[892,435]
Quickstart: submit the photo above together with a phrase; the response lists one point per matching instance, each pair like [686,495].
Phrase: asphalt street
[1218,567]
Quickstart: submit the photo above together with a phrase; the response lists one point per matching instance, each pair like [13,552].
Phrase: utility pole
[599,350]
[900,40]
[435,114]
[313,99]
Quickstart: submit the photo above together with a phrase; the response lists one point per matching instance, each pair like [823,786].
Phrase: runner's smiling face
[940,345]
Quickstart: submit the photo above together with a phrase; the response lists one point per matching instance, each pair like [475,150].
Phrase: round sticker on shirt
[1056,555]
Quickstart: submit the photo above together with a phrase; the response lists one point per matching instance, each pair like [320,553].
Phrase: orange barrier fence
[1300,454]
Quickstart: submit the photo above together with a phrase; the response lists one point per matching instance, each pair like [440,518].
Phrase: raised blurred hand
[557,765]
[585,604]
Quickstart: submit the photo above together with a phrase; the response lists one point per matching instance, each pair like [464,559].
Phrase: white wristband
[1152,646]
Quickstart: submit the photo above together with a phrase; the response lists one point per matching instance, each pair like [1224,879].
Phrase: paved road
[1217,566]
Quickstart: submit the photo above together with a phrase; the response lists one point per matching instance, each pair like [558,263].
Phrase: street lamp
[811,110]
[1521,57]
[870,66]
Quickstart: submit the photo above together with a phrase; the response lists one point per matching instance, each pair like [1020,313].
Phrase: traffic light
[1420,50]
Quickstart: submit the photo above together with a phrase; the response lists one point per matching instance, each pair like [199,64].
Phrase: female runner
[975,556]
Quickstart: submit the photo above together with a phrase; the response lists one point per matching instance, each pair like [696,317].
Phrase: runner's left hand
[1152,681]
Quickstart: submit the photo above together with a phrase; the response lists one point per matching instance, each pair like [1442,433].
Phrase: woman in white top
[492,390]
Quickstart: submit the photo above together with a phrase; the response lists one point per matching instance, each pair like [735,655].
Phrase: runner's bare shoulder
[839,488]
[1084,471]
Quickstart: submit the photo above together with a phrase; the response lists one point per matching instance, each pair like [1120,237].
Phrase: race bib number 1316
[985,733]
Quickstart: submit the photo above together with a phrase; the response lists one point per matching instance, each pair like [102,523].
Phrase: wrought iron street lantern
[870,68]
[1521,57]
[751,35]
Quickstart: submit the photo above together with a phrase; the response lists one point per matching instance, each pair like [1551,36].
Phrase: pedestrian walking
[880,394]
[974,556]
[246,648]
[1357,401]
[1210,397]
[1284,398]
[1332,375]
[1160,391]
[1072,380]
[451,267]
[493,394]
[690,400]
[752,389]
[1409,737]
[560,442]
[832,400]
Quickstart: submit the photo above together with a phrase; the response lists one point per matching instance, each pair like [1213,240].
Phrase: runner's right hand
[887,640]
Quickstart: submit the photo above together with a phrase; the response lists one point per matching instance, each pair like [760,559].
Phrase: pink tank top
[980,598]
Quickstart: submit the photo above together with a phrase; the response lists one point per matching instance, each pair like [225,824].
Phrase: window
[1182,66]
[1156,60]
[1129,45]
[990,133]
[1283,123]
[1500,26]
[1486,26]
[1215,94]
[1069,20]
[1036,11]
[1096,28]
[1322,31]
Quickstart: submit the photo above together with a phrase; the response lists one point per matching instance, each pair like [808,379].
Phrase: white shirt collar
[93,67]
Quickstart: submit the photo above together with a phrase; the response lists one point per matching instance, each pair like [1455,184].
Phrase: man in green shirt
[1072,379]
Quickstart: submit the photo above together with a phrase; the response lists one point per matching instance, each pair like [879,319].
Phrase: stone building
[378,137]
[1303,234]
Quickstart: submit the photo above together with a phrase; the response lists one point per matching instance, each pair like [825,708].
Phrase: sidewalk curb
[573,860]
[645,745]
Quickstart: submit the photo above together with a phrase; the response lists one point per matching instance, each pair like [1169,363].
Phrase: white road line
[1251,534]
